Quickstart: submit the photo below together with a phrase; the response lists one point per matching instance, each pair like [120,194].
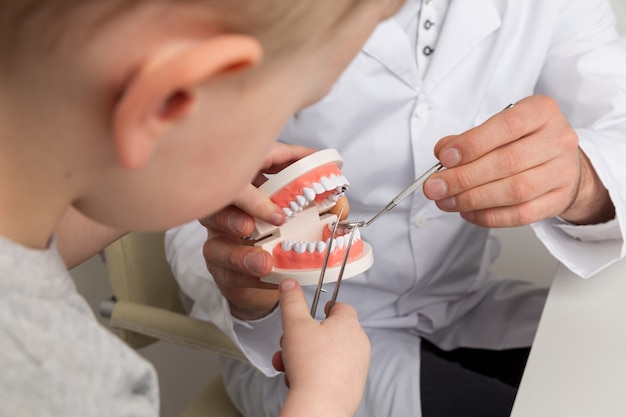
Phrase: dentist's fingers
[234,268]
[252,201]
[221,252]
[520,166]
[238,219]
[342,206]
[530,115]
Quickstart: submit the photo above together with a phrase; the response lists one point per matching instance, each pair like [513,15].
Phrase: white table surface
[577,365]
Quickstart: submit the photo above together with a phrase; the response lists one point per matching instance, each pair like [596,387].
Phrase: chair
[146,307]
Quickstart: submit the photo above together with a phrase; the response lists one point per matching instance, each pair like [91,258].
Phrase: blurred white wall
[620,11]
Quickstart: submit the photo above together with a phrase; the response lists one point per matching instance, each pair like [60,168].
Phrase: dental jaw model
[307,191]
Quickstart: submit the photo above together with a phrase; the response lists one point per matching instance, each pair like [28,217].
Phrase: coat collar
[390,46]
[467,23]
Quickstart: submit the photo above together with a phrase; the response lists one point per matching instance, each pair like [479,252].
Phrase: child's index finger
[292,303]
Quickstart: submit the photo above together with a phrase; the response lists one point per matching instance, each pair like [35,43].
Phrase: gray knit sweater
[55,358]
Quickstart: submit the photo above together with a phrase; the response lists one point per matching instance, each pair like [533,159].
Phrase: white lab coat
[431,273]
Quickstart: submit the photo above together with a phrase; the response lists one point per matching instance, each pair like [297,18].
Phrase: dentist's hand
[520,166]
[233,262]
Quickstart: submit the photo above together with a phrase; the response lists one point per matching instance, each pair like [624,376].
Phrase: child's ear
[163,92]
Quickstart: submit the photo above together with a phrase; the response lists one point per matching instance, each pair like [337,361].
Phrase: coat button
[420,219]
[428,24]
[421,110]
[428,50]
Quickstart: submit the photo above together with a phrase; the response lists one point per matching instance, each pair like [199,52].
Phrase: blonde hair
[281,25]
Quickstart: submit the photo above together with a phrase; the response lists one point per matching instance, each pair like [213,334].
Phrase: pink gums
[291,260]
[294,188]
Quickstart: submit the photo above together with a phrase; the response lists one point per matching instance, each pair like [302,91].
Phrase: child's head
[149,113]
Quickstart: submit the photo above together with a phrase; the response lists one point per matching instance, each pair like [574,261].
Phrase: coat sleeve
[585,71]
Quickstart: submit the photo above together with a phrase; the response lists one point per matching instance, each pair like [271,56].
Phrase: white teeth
[327,184]
[318,188]
[299,247]
[340,181]
[340,242]
[309,193]
[295,207]
[337,183]
[302,202]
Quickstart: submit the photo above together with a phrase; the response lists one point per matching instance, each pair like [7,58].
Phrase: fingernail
[450,157]
[287,285]
[436,188]
[447,203]
[278,218]
[255,262]
[469,216]
[237,221]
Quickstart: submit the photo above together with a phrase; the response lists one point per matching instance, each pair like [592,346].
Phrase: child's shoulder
[55,354]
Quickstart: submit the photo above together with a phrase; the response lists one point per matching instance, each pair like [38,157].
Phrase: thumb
[254,202]
[293,306]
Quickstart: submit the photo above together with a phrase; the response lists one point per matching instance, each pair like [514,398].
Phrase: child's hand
[326,363]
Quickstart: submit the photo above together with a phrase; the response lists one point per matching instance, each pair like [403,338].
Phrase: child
[143,115]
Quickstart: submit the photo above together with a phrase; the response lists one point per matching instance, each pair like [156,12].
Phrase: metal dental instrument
[343,267]
[320,282]
[397,199]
